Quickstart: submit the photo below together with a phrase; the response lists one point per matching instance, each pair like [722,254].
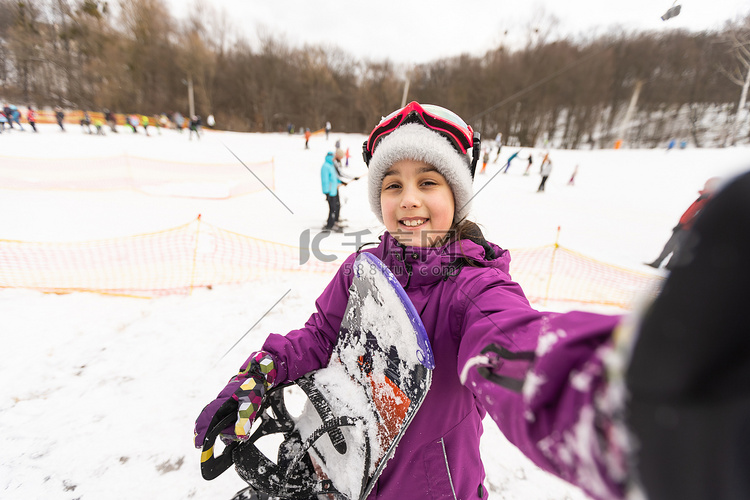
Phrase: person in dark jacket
[109,117]
[195,127]
[60,117]
[680,231]
[8,112]
[86,122]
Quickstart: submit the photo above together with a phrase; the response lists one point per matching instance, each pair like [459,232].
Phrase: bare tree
[738,39]
[79,52]
[149,54]
[24,44]
[7,19]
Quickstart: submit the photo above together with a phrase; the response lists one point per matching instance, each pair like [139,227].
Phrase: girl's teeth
[413,223]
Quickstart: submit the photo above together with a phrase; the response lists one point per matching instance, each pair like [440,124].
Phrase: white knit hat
[418,143]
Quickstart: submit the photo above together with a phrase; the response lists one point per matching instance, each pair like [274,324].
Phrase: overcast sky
[415,31]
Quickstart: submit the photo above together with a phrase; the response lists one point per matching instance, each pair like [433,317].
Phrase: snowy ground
[101,393]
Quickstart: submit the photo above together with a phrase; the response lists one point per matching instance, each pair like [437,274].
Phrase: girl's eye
[392,185]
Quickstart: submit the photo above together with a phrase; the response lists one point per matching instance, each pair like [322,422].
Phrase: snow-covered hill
[100,393]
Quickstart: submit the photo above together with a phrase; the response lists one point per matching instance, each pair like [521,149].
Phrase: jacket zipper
[447,469]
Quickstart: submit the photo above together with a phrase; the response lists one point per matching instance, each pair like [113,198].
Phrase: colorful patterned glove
[243,395]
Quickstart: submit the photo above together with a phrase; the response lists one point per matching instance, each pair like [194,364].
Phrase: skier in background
[15,116]
[8,114]
[86,122]
[179,121]
[544,170]
[572,180]
[98,124]
[499,144]
[31,118]
[510,159]
[530,162]
[195,127]
[485,159]
[163,121]
[60,116]
[680,231]
[330,179]
[144,123]
[109,117]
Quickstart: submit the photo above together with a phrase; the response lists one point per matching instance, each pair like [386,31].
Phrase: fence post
[552,265]
[195,253]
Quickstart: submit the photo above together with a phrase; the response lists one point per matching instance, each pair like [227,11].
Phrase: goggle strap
[366,154]
[475,150]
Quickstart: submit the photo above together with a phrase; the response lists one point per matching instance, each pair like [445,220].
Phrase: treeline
[136,57]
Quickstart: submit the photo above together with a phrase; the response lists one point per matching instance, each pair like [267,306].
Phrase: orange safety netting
[148,265]
[200,254]
[156,177]
[556,274]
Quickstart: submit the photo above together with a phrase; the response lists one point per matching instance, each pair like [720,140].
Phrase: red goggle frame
[441,120]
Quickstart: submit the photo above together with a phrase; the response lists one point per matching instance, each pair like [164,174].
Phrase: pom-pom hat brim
[418,143]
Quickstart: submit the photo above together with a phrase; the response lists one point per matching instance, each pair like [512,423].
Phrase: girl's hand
[242,396]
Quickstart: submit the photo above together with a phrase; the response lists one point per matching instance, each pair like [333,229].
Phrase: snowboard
[357,408]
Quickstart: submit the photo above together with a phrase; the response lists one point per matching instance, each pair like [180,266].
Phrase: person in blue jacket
[330,181]
[15,117]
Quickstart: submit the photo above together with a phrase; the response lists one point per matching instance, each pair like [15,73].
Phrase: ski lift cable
[544,80]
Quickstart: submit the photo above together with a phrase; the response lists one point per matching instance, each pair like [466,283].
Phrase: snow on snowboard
[357,408]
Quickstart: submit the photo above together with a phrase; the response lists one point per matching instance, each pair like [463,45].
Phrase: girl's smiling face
[417,204]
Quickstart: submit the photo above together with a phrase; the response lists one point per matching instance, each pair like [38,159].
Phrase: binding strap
[324,411]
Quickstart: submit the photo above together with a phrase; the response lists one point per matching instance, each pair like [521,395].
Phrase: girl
[541,376]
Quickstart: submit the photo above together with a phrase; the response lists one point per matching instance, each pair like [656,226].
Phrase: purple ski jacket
[466,303]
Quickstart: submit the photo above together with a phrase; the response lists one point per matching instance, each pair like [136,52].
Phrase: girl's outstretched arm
[543,379]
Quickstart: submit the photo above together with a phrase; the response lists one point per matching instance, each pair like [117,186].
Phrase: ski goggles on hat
[441,120]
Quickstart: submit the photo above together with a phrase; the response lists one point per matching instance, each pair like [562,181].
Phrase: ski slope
[100,393]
